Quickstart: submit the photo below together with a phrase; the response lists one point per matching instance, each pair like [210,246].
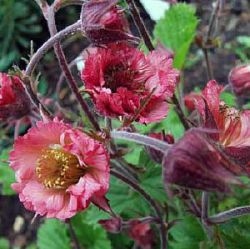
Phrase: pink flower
[14,102]
[59,170]
[239,78]
[125,83]
[195,161]
[141,233]
[104,22]
[232,125]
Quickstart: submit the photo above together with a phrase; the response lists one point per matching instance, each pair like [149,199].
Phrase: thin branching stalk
[65,68]
[205,213]
[74,28]
[140,24]
[211,25]
[229,214]
[153,204]
[141,139]
[73,235]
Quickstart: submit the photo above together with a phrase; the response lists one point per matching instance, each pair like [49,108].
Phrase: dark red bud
[239,78]
[14,102]
[112,225]
[196,162]
[104,22]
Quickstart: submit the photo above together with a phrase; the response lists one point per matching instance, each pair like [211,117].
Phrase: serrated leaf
[53,235]
[90,237]
[177,30]
[187,234]
[7,175]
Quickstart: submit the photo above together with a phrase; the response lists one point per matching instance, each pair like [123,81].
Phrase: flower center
[118,76]
[58,169]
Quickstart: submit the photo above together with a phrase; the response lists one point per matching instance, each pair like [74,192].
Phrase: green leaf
[7,175]
[4,243]
[228,98]
[90,236]
[177,30]
[187,234]
[53,235]
[244,40]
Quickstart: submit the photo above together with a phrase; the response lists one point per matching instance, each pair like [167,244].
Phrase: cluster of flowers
[60,170]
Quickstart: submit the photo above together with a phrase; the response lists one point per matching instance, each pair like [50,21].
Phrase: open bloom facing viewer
[59,170]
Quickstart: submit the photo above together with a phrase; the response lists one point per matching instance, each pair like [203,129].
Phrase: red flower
[196,162]
[104,22]
[14,102]
[141,233]
[232,125]
[125,83]
[239,78]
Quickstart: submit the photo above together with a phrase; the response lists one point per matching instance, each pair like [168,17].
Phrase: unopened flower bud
[141,233]
[196,162]
[157,155]
[104,22]
[14,102]
[112,225]
[239,78]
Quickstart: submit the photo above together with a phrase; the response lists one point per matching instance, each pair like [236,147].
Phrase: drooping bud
[239,78]
[141,233]
[104,22]
[157,155]
[196,162]
[14,102]
[112,225]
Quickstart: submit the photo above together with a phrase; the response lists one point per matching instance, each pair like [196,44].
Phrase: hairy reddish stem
[76,27]
[153,204]
[142,139]
[73,235]
[65,68]
[140,24]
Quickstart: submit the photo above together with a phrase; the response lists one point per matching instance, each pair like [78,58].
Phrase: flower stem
[211,26]
[204,213]
[153,204]
[73,235]
[140,25]
[141,139]
[180,113]
[76,27]
[65,68]
[227,215]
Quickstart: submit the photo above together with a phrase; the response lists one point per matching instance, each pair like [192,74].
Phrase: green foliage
[53,234]
[235,233]
[7,176]
[4,243]
[187,234]
[18,23]
[90,236]
[177,30]
[228,98]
